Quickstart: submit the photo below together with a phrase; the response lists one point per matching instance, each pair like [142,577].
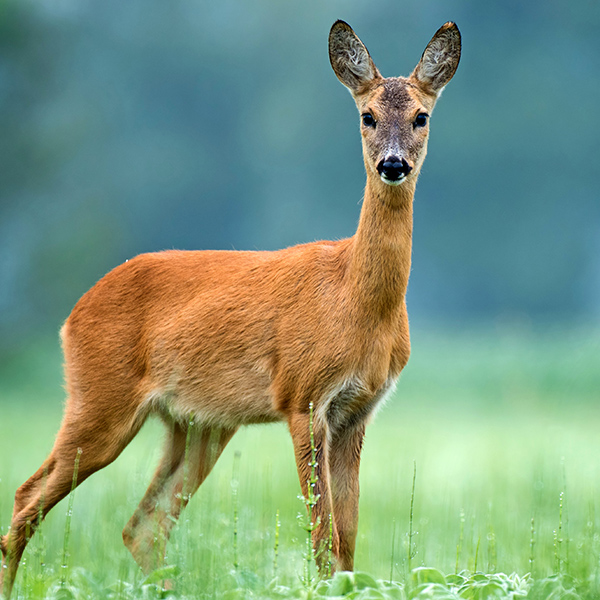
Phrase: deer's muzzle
[393,170]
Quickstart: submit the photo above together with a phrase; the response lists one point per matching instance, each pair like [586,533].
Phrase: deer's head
[394,111]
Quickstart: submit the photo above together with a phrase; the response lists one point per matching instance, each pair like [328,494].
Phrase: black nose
[393,168]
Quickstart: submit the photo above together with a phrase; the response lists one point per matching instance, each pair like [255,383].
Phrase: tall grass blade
[460,539]
[393,548]
[276,546]
[532,547]
[330,547]
[410,554]
[235,481]
[310,501]
[64,567]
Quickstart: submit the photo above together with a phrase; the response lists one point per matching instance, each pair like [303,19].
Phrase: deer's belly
[230,397]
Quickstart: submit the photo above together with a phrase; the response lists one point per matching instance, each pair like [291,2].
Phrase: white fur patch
[386,392]
[390,182]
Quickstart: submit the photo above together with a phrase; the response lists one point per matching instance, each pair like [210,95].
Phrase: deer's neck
[381,248]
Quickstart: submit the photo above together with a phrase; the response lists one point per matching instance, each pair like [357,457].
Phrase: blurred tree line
[128,127]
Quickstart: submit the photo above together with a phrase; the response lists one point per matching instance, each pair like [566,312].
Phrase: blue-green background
[136,126]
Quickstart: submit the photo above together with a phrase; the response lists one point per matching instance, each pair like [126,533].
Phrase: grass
[502,428]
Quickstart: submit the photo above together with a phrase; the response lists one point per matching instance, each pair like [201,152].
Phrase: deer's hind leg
[189,455]
[100,442]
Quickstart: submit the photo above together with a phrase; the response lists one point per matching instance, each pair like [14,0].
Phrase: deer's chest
[352,402]
[355,397]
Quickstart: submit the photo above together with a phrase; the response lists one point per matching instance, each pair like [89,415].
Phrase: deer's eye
[368,120]
[421,120]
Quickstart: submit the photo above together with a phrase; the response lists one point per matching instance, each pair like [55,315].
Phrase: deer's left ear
[350,59]
[439,61]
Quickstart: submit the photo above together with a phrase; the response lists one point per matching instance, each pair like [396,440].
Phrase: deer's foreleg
[299,424]
[344,460]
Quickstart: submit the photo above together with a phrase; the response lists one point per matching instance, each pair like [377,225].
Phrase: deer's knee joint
[22,496]
[128,535]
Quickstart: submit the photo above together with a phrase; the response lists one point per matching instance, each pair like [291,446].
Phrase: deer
[314,335]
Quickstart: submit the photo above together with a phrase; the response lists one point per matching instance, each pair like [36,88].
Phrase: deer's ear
[350,58]
[439,61]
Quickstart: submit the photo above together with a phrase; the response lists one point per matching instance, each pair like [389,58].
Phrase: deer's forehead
[396,94]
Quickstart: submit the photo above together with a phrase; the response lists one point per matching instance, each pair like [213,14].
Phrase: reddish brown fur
[233,338]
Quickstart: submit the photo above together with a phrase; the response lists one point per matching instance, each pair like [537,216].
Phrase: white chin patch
[390,182]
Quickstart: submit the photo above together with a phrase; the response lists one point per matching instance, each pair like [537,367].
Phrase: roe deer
[212,340]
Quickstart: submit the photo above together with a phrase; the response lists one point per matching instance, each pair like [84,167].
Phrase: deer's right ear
[350,58]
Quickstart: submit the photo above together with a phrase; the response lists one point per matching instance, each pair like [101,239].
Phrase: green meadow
[499,431]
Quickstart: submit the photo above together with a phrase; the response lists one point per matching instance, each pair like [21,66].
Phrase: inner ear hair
[350,58]
[440,59]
